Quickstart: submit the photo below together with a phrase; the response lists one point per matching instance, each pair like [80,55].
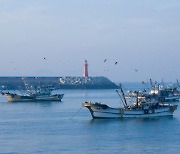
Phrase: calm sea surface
[57,127]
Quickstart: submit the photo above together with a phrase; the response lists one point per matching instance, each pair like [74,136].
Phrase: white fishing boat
[165,94]
[25,97]
[33,96]
[139,109]
[103,111]
[43,93]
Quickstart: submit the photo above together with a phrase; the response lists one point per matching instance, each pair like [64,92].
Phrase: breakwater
[67,82]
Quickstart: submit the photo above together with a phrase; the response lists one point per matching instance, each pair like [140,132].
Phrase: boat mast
[120,98]
[137,98]
[145,84]
[26,86]
[178,82]
[151,83]
[123,95]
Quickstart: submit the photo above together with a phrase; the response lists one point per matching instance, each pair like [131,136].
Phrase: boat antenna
[162,82]
[178,82]
[123,95]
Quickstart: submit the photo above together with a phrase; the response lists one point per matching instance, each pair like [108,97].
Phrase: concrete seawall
[67,82]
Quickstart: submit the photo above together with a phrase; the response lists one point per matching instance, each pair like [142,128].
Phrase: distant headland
[67,82]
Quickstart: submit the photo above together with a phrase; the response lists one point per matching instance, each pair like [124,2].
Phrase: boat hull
[105,112]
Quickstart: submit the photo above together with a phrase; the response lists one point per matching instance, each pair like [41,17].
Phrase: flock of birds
[136,70]
[105,60]
[114,63]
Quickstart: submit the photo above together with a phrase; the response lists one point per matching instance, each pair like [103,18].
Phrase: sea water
[66,127]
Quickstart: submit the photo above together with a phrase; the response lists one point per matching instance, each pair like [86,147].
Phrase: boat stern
[172,108]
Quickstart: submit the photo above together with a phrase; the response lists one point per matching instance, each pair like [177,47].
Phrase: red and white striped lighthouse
[86,69]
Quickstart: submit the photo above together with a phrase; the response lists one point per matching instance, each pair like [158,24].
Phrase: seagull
[116,63]
[105,60]
[136,70]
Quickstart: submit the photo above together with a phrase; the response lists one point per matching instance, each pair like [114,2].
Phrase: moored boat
[13,97]
[163,93]
[41,94]
[103,111]
[141,108]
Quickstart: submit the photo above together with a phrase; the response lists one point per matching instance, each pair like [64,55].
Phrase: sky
[54,37]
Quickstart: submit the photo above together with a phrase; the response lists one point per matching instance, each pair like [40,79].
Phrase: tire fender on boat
[146,111]
[122,112]
[171,109]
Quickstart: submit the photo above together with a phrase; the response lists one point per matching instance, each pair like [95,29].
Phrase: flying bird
[116,63]
[105,60]
[44,58]
[136,70]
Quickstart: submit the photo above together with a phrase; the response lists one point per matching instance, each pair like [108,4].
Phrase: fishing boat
[139,109]
[42,94]
[162,93]
[103,111]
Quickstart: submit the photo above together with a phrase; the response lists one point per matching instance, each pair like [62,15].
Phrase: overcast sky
[143,36]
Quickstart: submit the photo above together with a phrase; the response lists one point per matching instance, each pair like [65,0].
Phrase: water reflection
[134,120]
